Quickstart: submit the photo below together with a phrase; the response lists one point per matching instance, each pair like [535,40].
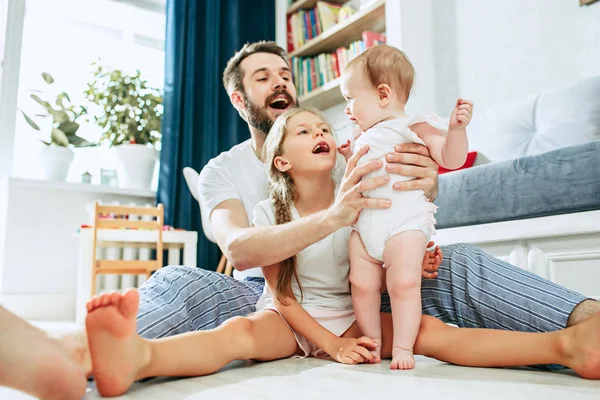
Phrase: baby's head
[376,85]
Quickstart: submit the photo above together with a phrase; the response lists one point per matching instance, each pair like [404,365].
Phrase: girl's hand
[349,200]
[461,115]
[352,351]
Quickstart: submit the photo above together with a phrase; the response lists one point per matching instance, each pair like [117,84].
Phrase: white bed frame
[562,248]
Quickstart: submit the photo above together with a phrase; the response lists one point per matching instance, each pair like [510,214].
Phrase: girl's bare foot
[402,359]
[118,353]
[34,363]
[582,347]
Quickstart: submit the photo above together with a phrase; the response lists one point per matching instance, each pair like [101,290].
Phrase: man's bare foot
[75,346]
[402,359]
[118,353]
[582,347]
[34,363]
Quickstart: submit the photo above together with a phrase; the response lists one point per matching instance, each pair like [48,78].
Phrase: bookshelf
[304,4]
[323,97]
[371,18]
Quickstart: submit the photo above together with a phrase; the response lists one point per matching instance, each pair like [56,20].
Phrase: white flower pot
[135,165]
[55,162]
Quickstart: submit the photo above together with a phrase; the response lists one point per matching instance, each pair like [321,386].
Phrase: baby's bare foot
[402,359]
[118,353]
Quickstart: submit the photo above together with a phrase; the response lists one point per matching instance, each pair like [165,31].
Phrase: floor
[322,379]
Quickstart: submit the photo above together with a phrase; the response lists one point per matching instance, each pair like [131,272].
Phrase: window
[63,38]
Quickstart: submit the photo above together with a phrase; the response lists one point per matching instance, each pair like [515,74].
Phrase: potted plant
[129,114]
[56,156]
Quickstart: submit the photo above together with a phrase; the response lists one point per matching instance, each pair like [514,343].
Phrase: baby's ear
[385,93]
[282,164]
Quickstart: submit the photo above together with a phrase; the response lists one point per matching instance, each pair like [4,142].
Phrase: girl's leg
[120,356]
[366,276]
[403,257]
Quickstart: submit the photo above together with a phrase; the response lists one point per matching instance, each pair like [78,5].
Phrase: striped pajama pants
[472,290]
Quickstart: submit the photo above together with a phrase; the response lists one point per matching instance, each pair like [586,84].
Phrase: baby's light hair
[384,64]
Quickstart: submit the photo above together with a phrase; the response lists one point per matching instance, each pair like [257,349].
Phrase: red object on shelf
[471,157]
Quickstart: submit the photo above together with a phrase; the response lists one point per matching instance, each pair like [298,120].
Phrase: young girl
[306,308]
[376,85]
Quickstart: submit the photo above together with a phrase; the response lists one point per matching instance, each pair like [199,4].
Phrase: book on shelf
[305,25]
[310,73]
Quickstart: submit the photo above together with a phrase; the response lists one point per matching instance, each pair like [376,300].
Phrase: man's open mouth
[321,147]
[280,102]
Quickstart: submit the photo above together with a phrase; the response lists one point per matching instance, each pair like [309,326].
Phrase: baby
[376,86]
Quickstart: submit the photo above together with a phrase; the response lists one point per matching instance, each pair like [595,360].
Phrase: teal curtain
[199,121]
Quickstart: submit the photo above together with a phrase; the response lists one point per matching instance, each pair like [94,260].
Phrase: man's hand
[432,261]
[413,159]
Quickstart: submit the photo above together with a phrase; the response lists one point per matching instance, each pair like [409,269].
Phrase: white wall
[496,51]
[39,248]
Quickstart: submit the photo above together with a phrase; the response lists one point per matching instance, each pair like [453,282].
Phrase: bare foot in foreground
[33,362]
[118,353]
[582,347]
[402,359]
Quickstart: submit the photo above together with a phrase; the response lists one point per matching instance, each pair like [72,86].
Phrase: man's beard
[258,116]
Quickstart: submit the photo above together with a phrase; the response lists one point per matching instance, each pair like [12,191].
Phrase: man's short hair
[232,76]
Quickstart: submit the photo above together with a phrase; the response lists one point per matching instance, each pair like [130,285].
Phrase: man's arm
[248,247]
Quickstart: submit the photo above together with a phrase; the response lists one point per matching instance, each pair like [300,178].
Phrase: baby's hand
[345,150]
[461,115]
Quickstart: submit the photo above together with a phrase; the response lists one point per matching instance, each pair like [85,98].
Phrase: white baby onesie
[409,210]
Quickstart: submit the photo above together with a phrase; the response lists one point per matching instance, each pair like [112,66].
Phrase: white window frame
[12,39]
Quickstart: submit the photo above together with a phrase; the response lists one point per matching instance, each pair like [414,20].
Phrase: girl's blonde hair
[283,193]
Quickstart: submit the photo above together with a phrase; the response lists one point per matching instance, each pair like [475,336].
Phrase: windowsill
[80,187]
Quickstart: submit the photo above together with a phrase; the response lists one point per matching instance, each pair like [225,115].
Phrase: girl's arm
[347,351]
[450,151]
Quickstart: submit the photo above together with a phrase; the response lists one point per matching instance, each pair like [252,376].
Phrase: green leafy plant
[131,110]
[64,116]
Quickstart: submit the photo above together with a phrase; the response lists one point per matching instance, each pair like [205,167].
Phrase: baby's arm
[303,323]
[449,151]
[346,149]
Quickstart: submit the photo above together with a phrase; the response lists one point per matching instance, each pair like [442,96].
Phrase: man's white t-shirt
[234,174]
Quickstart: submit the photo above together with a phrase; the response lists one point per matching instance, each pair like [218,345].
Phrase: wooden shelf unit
[323,97]
[308,4]
[372,18]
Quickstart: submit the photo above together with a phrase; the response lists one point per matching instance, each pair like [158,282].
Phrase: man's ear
[384,91]
[282,164]
[237,100]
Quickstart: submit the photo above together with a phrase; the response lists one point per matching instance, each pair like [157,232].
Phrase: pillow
[471,156]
